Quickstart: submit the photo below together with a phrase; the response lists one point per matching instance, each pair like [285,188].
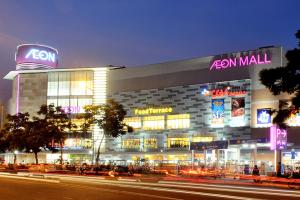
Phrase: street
[92,188]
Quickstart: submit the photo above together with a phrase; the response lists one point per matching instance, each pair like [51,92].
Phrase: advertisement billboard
[278,138]
[217,111]
[35,56]
[263,116]
[237,107]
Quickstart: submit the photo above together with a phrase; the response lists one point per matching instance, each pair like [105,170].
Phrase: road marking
[230,186]
[120,191]
[67,198]
[246,190]
[170,190]
[30,179]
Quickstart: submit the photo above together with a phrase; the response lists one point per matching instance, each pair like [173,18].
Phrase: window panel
[154,122]
[134,122]
[64,84]
[179,121]
[131,143]
[178,142]
[202,139]
[150,143]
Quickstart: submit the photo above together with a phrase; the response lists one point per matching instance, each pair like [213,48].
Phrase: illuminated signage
[72,109]
[278,138]
[264,116]
[247,60]
[224,92]
[32,56]
[150,111]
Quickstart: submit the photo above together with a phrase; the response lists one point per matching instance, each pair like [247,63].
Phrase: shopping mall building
[204,110]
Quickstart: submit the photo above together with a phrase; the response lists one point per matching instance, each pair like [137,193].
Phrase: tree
[108,117]
[36,136]
[285,79]
[15,129]
[58,125]
[4,144]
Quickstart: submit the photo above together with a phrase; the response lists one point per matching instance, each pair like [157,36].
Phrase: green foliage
[15,129]
[57,124]
[108,117]
[285,79]
[33,135]
[4,144]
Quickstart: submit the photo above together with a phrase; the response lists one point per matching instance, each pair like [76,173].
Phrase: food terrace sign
[150,111]
[241,61]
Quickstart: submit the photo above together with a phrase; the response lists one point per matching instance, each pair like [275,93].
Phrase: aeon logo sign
[32,56]
[41,55]
[242,61]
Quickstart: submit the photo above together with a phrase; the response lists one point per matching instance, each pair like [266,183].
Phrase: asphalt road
[85,188]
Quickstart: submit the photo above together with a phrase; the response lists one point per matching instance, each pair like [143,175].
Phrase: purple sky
[137,32]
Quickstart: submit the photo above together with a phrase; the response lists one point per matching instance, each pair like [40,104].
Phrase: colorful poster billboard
[217,111]
[263,116]
[278,138]
[237,107]
[34,56]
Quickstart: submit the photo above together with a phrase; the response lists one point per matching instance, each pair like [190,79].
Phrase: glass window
[82,83]
[52,101]
[64,103]
[178,142]
[150,143]
[131,143]
[154,122]
[202,139]
[64,84]
[134,122]
[52,84]
[70,83]
[179,121]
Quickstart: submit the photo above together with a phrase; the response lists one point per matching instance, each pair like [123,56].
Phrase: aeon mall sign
[33,56]
[241,61]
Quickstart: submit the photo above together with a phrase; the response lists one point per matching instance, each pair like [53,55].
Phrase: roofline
[12,74]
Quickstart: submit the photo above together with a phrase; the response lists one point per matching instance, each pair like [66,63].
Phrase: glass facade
[70,90]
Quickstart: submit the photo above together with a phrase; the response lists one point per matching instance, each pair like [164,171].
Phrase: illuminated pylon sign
[278,138]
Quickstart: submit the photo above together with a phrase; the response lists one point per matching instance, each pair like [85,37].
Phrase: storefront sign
[242,61]
[150,111]
[222,144]
[224,92]
[32,56]
[72,109]
[278,138]
[264,116]
[217,112]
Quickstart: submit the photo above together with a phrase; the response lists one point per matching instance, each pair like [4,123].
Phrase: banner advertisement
[237,112]
[217,112]
[263,116]
[237,107]
[278,138]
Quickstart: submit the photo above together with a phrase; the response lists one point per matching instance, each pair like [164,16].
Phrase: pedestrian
[255,171]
